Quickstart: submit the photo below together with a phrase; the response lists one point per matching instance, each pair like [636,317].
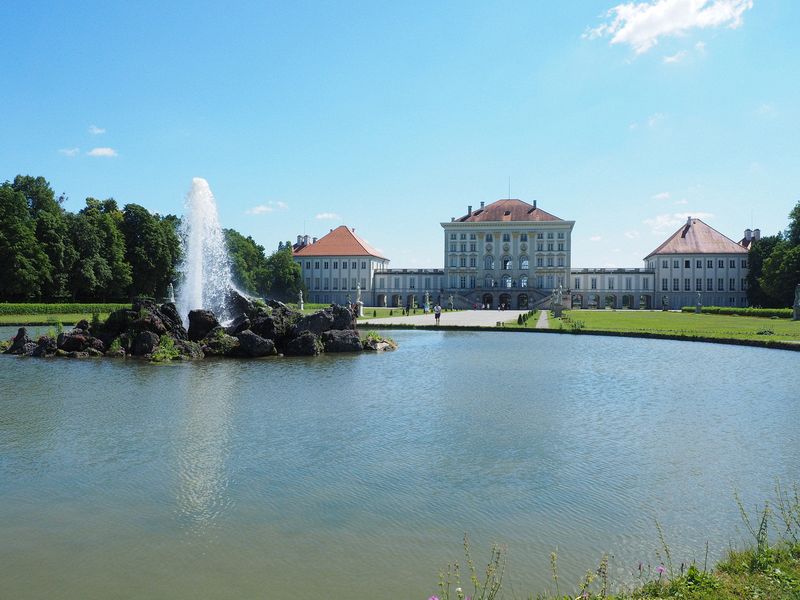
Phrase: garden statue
[450,301]
[170,293]
[359,303]
[427,306]
[698,307]
[300,300]
[797,303]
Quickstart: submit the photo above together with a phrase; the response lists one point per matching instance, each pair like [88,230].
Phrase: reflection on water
[356,476]
[202,445]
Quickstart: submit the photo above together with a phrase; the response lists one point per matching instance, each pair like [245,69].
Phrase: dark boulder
[342,341]
[93,352]
[144,343]
[77,355]
[20,340]
[221,344]
[96,344]
[254,345]
[343,317]
[239,324]
[29,348]
[317,323]
[201,322]
[83,325]
[72,341]
[189,350]
[305,344]
[172,321]
[379,344]
[45,346]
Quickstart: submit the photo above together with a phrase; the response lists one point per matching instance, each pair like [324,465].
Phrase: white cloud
[675,58]
[661,196]
[655,119]
[595,238]
[269,207]
[95,130]
[70,151]
[328,216]
[259,210]
[632,235]
[640,24]
[107,152]
[661,224]
[682,201]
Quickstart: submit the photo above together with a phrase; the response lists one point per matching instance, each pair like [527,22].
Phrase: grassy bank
[681,324]
[768,567]
[49,313]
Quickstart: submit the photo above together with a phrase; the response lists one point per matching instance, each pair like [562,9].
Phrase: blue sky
[393,117]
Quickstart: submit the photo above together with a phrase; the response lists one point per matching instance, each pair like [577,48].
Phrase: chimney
[353,229]
[313,240]
[481,204]
[305,240]
[756,234]
[299,239]
[469,209]
[688,221]
[534,204]
[748,235]
[452,219]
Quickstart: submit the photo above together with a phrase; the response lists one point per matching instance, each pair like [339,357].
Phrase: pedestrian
[437,312]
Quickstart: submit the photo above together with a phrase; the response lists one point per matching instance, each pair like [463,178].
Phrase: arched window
[488,263]
[488,281]
[523,281]
[507,263]
[523,263]
[506,281]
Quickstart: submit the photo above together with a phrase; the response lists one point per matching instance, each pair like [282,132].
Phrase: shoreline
[770,344]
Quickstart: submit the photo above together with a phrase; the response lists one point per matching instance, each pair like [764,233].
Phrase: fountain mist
[205,269]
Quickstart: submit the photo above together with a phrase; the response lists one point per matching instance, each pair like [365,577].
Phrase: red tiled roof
[507,210]
[341,241]
[696,237]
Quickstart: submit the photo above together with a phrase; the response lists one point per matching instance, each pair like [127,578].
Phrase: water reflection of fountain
[203,448]
[205,268]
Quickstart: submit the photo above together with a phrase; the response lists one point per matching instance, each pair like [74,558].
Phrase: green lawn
[682,324]
[66,319]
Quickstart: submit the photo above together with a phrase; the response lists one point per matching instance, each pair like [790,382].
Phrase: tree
[152,249]
[793,232]
[759,251]
[38,194]
[781,273]
[248,263]
[285,279]
[24,267]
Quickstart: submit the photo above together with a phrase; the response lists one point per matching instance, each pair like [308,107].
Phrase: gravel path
[543,321]
[473,318]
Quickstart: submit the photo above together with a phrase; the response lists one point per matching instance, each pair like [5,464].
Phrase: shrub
[166,350]
[781,313]
[43,308]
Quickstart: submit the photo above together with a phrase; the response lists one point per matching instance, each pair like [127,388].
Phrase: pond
[355,476]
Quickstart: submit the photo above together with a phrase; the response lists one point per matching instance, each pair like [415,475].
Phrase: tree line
[106,253]
[774,263]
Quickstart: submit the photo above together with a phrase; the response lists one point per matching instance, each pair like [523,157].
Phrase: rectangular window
[687,264]
[463,261]
[452,247]
[539,261]
[472,236]
[664,284]
[506,237]
[316,264]
[561,235]
[560,246]
[344,283]
[629,283]
[453,262]
[721,264]
[427,283]
[732,285]
[336,264]
[325,264]
[473,261]
[676,284]
[744,284]
[473,247]
[687,285]
[336,283]
[664,264]
[594,283]
[353,265]
[645,284]
[397,283]
[709,264]
[698,285]
[463,236]
[316,283]
[453,281]
[732,263]
[308,282]
[363,283]
[523,237]
[308,264]
[452,236]
[744,263]
[489,237]
[540,236]
[412,283]
[363,264]
[539,281]
[549,261]
[549,235]
[611,283]
[709,284]
[353,283]
[463,247]
[560,261]
[549,246]
[462,282]
[699,264]
[325,283]
[577,283]
[472,281]
[720,285]
[540,246]
[676,264]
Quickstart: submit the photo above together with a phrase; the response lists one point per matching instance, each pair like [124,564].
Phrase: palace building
[514,254]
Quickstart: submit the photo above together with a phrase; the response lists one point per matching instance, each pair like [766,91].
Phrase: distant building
[514,254]
[334,265]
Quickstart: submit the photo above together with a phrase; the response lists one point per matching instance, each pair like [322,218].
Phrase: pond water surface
[357,476]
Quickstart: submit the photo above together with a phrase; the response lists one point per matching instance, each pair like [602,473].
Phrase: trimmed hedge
[42,308]
[782,313]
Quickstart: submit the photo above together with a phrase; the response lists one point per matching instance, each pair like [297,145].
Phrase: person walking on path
[437,312]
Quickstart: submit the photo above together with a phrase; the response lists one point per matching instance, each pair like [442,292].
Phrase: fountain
[205,268]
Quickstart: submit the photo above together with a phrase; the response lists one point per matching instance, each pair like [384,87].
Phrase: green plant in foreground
[165,351]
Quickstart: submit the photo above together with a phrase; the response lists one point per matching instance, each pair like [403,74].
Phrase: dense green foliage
[781,313]
[104,253]
[775,266]
[26,308]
